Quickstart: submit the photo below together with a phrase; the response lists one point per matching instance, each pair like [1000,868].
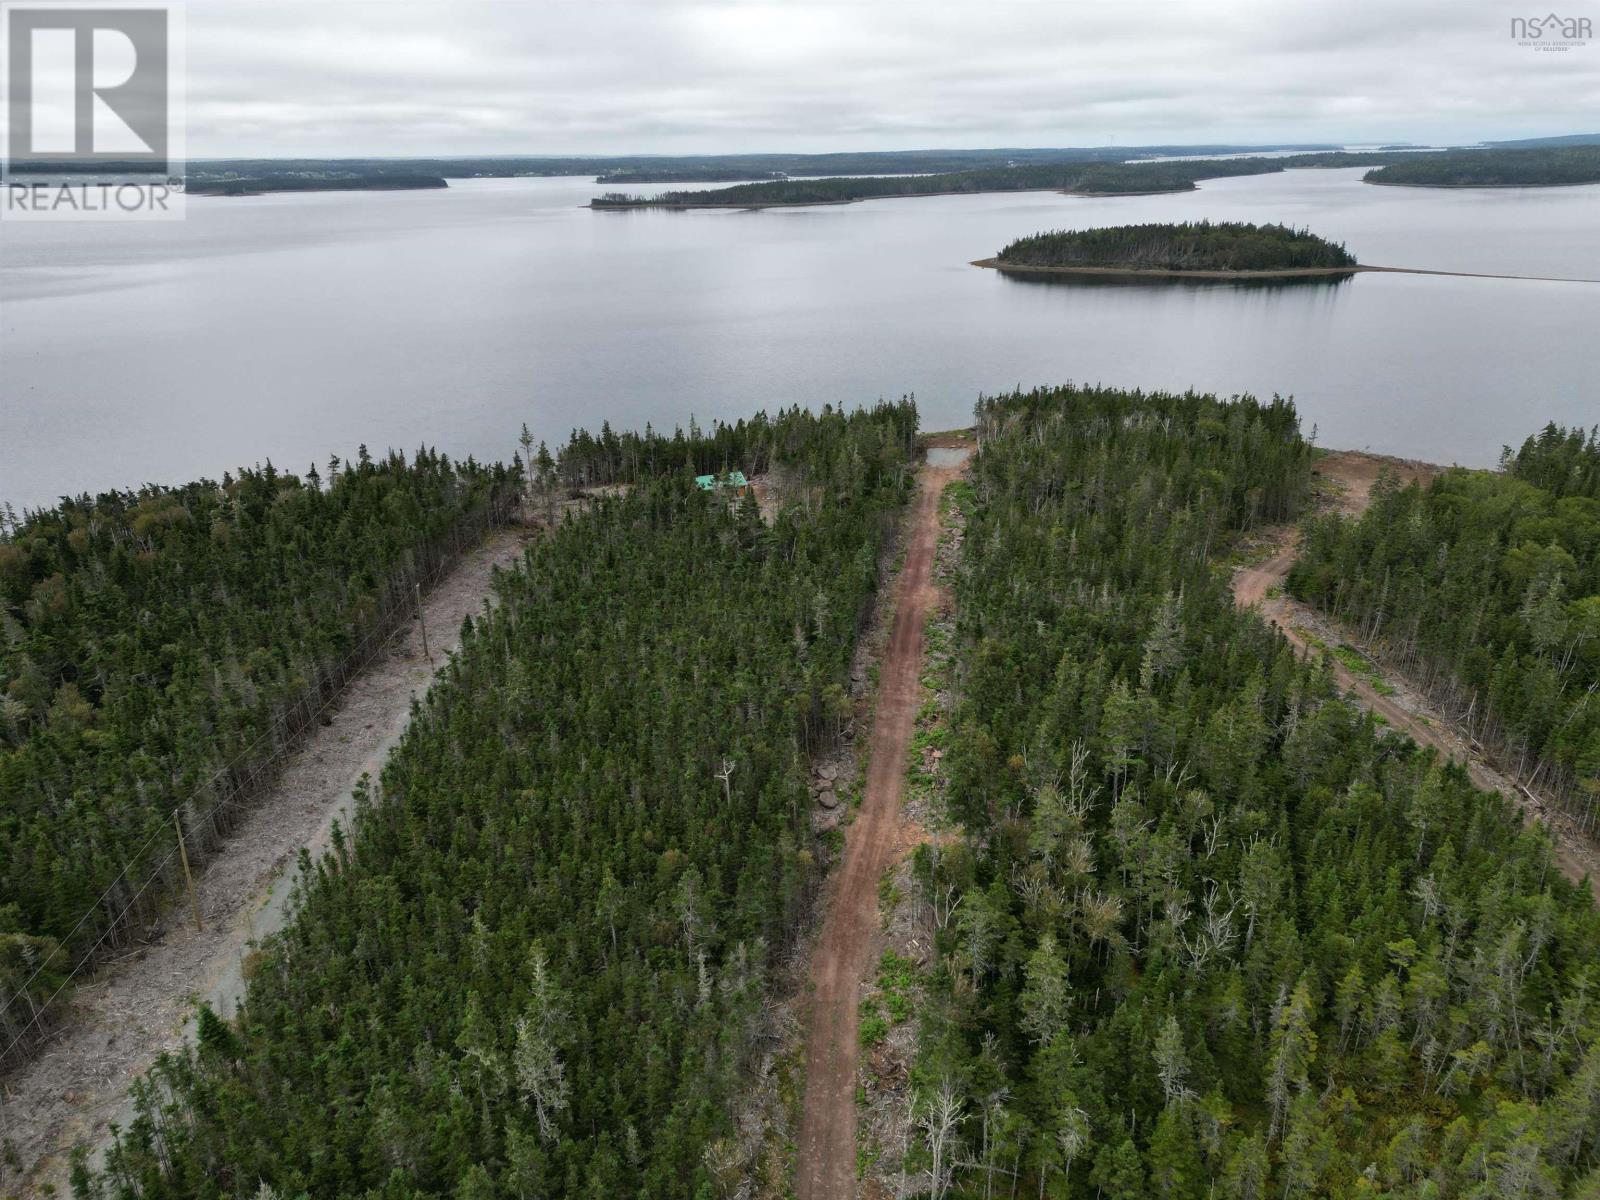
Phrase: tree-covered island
[1189,247]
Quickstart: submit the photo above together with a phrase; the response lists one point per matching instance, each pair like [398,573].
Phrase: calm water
[292,327]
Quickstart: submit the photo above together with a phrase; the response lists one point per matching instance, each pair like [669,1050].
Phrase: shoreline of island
[1173,272]
[1498,187]
[995,264]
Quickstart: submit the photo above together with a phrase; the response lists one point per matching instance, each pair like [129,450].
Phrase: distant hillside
[1566,139]
[1495,168]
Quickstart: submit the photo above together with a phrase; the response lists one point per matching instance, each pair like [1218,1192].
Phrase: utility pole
[421,620]
[188,879]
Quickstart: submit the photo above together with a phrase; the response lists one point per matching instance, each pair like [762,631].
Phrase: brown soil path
[826,1167]
[139,1007]
[1354,473]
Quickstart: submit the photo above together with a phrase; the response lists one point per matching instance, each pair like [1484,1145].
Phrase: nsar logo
[1551,32]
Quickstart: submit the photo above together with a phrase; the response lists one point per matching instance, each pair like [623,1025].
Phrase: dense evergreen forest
[536,965]
[755,445]
[1541,167]
[1211,933]
[1190,246]
[158,649]
[1485,587]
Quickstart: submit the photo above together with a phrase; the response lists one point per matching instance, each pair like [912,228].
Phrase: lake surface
[297,326]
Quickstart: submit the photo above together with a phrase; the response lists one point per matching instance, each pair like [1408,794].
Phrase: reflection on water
[1087,279]
[293,327]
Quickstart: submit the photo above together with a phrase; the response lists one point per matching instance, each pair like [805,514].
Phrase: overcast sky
[351,77]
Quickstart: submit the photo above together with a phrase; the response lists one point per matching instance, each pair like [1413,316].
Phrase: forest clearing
[143,1004]
[826,1167]
[1404,708]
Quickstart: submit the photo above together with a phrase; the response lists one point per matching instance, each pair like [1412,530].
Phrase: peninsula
[1549,166]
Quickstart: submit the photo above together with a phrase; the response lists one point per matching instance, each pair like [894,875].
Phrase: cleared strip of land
[1401,707]
[140,1006]
[826,1166]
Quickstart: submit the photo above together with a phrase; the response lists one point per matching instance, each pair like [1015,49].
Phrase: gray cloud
[296,77]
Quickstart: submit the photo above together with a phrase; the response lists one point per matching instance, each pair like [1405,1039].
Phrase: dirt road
[1354,474]
[826,1167]
[137,1008]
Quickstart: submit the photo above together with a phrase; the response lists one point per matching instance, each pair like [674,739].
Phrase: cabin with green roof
[731,481]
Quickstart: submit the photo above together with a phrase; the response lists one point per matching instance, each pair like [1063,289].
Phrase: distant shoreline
[601,206]
[680,206]
[995,264]
[1476,186]
[260,187]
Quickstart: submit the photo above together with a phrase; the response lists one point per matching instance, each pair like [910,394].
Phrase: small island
[1195,249]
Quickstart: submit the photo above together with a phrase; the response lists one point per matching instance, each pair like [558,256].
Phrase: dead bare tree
[725,773]
[1215,935]
[939,1123]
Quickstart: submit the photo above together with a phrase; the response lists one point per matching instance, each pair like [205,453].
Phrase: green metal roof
[711,483]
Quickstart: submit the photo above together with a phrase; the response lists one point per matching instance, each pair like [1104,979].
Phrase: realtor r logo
[91,96]
[87,84]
